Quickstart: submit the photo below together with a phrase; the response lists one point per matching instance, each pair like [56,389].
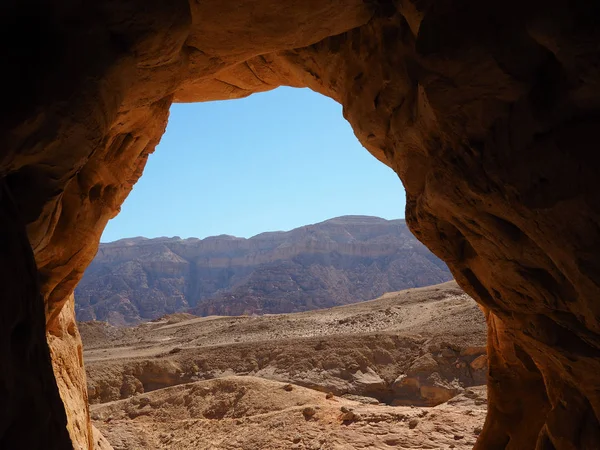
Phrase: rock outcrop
[488,112]
[335,262]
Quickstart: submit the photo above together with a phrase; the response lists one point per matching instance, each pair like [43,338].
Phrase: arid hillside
[395,360]
[336,262]
[249,413]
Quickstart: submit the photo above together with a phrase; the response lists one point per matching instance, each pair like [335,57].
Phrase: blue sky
[272,161]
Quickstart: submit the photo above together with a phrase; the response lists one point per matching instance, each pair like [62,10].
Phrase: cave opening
[487,112]
[232,170]
[313,144]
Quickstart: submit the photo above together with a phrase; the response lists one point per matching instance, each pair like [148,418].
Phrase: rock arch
[486,110]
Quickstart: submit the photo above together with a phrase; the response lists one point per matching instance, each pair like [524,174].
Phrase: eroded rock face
[66,351]
[488,112]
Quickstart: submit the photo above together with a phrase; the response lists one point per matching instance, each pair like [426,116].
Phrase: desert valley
[406,369]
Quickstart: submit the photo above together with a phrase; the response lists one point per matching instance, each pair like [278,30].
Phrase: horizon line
[251,237]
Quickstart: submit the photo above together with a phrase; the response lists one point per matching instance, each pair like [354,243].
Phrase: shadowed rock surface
[487,111]
[339,261]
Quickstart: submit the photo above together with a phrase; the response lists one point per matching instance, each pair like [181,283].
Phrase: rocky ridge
[336,262]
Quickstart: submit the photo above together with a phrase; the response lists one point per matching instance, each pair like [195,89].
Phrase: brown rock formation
[488,112]
[100,442]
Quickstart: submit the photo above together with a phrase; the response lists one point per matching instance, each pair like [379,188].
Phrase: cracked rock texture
[488,112]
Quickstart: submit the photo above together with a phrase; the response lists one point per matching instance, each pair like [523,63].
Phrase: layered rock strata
[336,262]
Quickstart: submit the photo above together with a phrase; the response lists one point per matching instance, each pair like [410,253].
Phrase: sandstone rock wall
[487,111]
[66,351]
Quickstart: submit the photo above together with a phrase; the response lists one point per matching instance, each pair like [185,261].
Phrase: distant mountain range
[336,262]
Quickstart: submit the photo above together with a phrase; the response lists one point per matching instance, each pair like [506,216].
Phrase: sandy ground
[440,310]
[253,413]
[186,382]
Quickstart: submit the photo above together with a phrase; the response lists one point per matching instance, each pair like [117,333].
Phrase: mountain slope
[336,262]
